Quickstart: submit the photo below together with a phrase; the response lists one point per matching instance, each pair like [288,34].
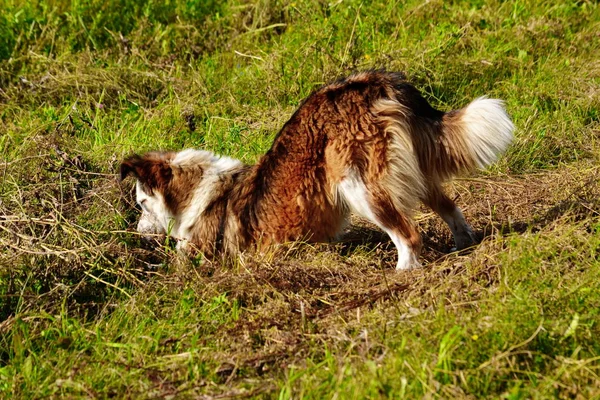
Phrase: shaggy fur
[369,143]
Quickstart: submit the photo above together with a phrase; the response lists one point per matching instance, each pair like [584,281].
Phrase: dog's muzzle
[149,227]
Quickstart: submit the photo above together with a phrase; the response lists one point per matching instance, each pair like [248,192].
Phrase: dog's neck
[231,204]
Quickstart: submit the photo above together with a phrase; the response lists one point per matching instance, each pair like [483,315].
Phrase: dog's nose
[149,227]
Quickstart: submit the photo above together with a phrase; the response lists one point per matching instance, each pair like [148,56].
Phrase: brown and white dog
[369,143]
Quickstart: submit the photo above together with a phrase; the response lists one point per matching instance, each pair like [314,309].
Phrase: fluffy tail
[475,136]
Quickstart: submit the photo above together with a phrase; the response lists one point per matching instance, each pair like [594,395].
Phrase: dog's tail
[474,136]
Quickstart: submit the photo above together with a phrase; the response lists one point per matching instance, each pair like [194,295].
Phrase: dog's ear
[153,170]
[130,166]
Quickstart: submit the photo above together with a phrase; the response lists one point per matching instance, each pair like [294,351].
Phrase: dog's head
[154,187]
[167,186]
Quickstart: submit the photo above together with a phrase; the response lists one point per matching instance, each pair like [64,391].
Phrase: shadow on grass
[437,240]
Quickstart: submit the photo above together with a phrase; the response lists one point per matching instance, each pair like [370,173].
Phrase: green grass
[88,311]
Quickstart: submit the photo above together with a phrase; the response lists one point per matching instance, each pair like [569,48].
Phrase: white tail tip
[488,129]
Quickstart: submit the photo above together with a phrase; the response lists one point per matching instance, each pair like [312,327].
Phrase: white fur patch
[355,194]
[206,159]
[155,215]
[487,128]
[213,166]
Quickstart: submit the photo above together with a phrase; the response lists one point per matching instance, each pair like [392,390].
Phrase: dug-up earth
[61,226]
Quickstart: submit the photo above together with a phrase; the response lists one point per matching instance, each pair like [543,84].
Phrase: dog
[368,143]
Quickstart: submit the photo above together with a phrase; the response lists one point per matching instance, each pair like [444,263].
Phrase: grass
[89,311]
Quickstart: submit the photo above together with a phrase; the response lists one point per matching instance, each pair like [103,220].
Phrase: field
[88,310]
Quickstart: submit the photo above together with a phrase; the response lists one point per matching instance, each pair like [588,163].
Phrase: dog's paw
[411,263]
[465,240]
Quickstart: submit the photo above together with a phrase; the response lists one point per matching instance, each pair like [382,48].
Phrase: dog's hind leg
[376,206]
[446,208]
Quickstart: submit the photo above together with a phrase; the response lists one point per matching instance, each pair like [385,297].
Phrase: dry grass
[88,310]
[288,302]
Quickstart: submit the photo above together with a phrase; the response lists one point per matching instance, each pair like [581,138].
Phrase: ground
[88,310]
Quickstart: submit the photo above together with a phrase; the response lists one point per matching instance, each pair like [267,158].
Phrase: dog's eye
[143,205]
